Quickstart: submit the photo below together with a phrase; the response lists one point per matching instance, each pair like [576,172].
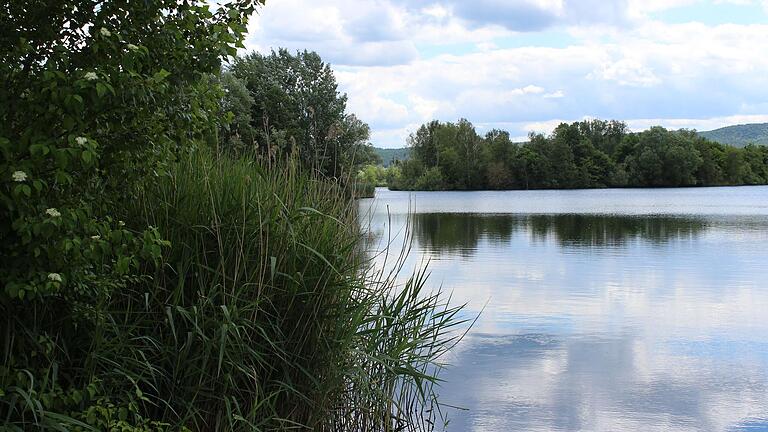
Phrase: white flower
[52,212]
[132,47]
[19,176]
[105,32]
[54,277]
[121,223]
[81,140]
[90,76]
[96,237]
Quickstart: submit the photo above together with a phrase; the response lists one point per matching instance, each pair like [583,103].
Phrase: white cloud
[555,94]
[629,72]
[404,63]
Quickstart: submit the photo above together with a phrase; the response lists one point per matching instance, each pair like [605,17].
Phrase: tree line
[585,154]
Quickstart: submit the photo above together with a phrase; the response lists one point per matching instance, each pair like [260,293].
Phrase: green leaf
[161,75]
[123,265]
[101,89]
[12,289]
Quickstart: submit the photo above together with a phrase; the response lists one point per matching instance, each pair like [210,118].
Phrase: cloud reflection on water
[601,322]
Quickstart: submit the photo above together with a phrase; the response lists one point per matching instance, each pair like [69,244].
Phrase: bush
[394,177]
[94,99]
[431,180]
[373,174]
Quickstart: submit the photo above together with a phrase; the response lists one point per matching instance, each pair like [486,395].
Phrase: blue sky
[526,65]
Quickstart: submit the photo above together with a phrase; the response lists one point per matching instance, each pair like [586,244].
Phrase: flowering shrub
[96,99]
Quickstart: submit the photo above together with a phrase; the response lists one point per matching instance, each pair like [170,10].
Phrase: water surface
[605,310]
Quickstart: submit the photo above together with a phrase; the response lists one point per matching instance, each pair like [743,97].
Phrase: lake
[604,310]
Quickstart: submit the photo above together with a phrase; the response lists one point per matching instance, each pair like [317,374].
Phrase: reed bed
[266,314]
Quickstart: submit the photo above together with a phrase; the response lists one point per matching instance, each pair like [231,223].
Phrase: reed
[264,313]
[267,315]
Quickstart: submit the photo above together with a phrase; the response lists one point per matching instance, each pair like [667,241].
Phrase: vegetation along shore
[180,247]
[586,154]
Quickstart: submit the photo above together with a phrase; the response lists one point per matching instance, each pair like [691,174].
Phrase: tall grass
[363,189]
[266,315]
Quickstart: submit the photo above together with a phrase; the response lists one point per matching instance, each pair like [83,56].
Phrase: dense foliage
[587,154]
[96,97]
[285,104]
[152,280]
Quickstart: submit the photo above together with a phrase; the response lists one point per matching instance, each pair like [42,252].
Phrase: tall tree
[298,108]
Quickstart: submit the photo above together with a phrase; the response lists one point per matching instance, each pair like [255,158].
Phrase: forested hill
[739,135]
[388,155]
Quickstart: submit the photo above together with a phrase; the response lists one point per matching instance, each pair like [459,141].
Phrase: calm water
[606,310]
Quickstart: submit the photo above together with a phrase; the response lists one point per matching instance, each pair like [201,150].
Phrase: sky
[527,65]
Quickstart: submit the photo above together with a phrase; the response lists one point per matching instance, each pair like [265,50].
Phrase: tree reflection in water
[460,233]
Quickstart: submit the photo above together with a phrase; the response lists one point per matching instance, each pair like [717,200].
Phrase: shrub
[431,180]
[95,98]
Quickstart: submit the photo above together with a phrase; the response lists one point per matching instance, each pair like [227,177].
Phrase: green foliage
[373,174]
[368,178]
[238,132]
[431,180]
[296,108]
[395,178]
[270,321]
[587,154]
[403,176]
[95,98]
[148,285]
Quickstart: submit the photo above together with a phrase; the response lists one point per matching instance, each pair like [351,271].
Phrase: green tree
[351,146]
[757,158]
[498,156]
[736,171]
[605,136]
[431,180]
[535,170]
[664,158]
[97,98]
[238,132]
[297,98]
[710,171]
[423,144]
[586,154]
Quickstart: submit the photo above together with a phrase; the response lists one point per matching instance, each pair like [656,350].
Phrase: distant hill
[388,155]
[739,135]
